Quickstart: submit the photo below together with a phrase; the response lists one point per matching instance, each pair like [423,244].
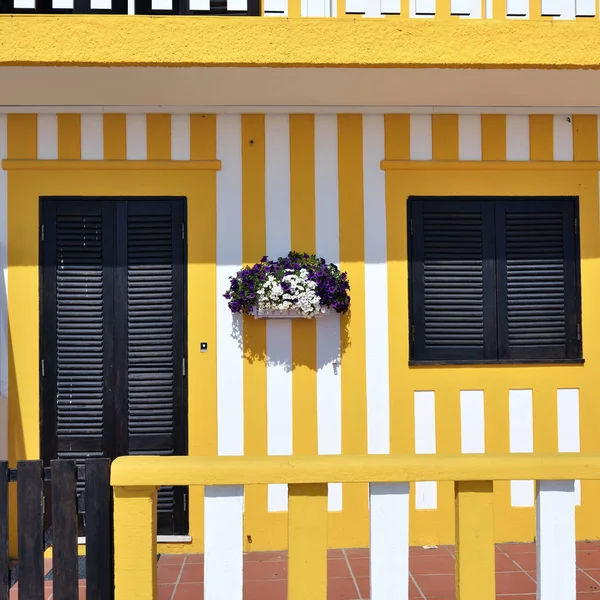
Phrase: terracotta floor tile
[189,591]
[337,567]
[357,552]
[265,590]
[335,553]
[588,559]
[261,571]
[514,583]
[505,564]
[527,561]
[195,559]
[436,586]
[165,591]
[518,548]
[590,545]
[263,556]
[586,584]
[361,567]
[342,588]
[168,573]
[192,574]
[171,559]
[420,551]
[437,564]
[594,574]
[588,595]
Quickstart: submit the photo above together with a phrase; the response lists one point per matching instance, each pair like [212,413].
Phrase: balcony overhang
[278,42]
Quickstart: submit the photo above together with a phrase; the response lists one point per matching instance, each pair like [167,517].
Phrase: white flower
[301,294]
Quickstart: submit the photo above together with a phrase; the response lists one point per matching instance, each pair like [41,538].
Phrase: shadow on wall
[313,343]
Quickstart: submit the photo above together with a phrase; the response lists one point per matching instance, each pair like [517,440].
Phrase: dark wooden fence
[49,510]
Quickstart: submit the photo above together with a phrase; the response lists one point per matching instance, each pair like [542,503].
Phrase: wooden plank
[389,540]
[4,558]
[64,530]
[475,554]
[30,529]
[98,525]
[307,539]
[555,539]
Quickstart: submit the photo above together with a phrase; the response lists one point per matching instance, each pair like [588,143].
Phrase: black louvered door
[113,338]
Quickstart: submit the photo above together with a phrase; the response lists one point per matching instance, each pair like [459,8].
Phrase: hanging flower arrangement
[297,285]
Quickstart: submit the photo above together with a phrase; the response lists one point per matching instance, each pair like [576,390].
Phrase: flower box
[290,313]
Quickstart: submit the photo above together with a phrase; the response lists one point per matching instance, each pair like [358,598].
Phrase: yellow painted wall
[349,527]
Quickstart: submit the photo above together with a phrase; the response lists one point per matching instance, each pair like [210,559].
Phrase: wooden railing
[136,480]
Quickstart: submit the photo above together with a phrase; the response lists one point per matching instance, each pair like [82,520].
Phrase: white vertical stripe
[420,137]
[469,137]
[517,137]
[136,137]
[279,333]
[568,427]
[131,7]
[372,8]
[390,7]
[567,10]
[563,137]
[239,5]
[472,428]
[180,137]
[3,295]
[329,391]
[585,8]
[223,548]
[47,137]
[230,386]
[489,9]
[376,301]
[199,4]
[92,137]
[426,492]
[389,540]
[555,538]
[520,411]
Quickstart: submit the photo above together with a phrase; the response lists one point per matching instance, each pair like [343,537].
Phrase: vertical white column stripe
[372,8]
[230,373]
[389,540]
[568,427]
[469,137]
[517,137]
[329,391]
[92,137]
[472,427]
[47,137]
[180,137]
[555,538]
[520,416]
[279,333]
[376,308]
[420,137]
[136,137]
[426,492]
[240,5]
[563,137]
[223,548]
[3,294]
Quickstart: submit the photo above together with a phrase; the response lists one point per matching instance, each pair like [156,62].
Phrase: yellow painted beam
[105,40]
[135,543]
[348,468]
[111,165]
[492,165]
[307,523]
[475,552]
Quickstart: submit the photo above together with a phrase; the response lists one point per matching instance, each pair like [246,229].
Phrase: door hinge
[43,368]
[183,231]
[43,233]
[183,365]
[184,502]
[43,505]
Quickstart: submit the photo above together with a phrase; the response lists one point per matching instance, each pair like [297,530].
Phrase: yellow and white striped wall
[315,183]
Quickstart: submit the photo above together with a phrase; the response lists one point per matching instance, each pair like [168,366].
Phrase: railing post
[475,553]
[135,543]
[307,541]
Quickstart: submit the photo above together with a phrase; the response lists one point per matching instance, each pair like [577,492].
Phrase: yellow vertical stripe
[585,137]
[493,137]
[115,137]
[444,137]
[69,137]
[304,332]
[397,137]
[255,334]
[22,137]
[202,296]
[158,137]
[353,371]
[294,7]
[499,9]
[442,9]
[541,137]
[307,563]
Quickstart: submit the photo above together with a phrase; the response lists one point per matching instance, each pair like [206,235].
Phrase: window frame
[573,334]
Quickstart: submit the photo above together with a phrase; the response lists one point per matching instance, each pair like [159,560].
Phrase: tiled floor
[180,577]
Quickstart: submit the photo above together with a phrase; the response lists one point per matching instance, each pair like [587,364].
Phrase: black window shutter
[151,247]
[538,292]
[452,271]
